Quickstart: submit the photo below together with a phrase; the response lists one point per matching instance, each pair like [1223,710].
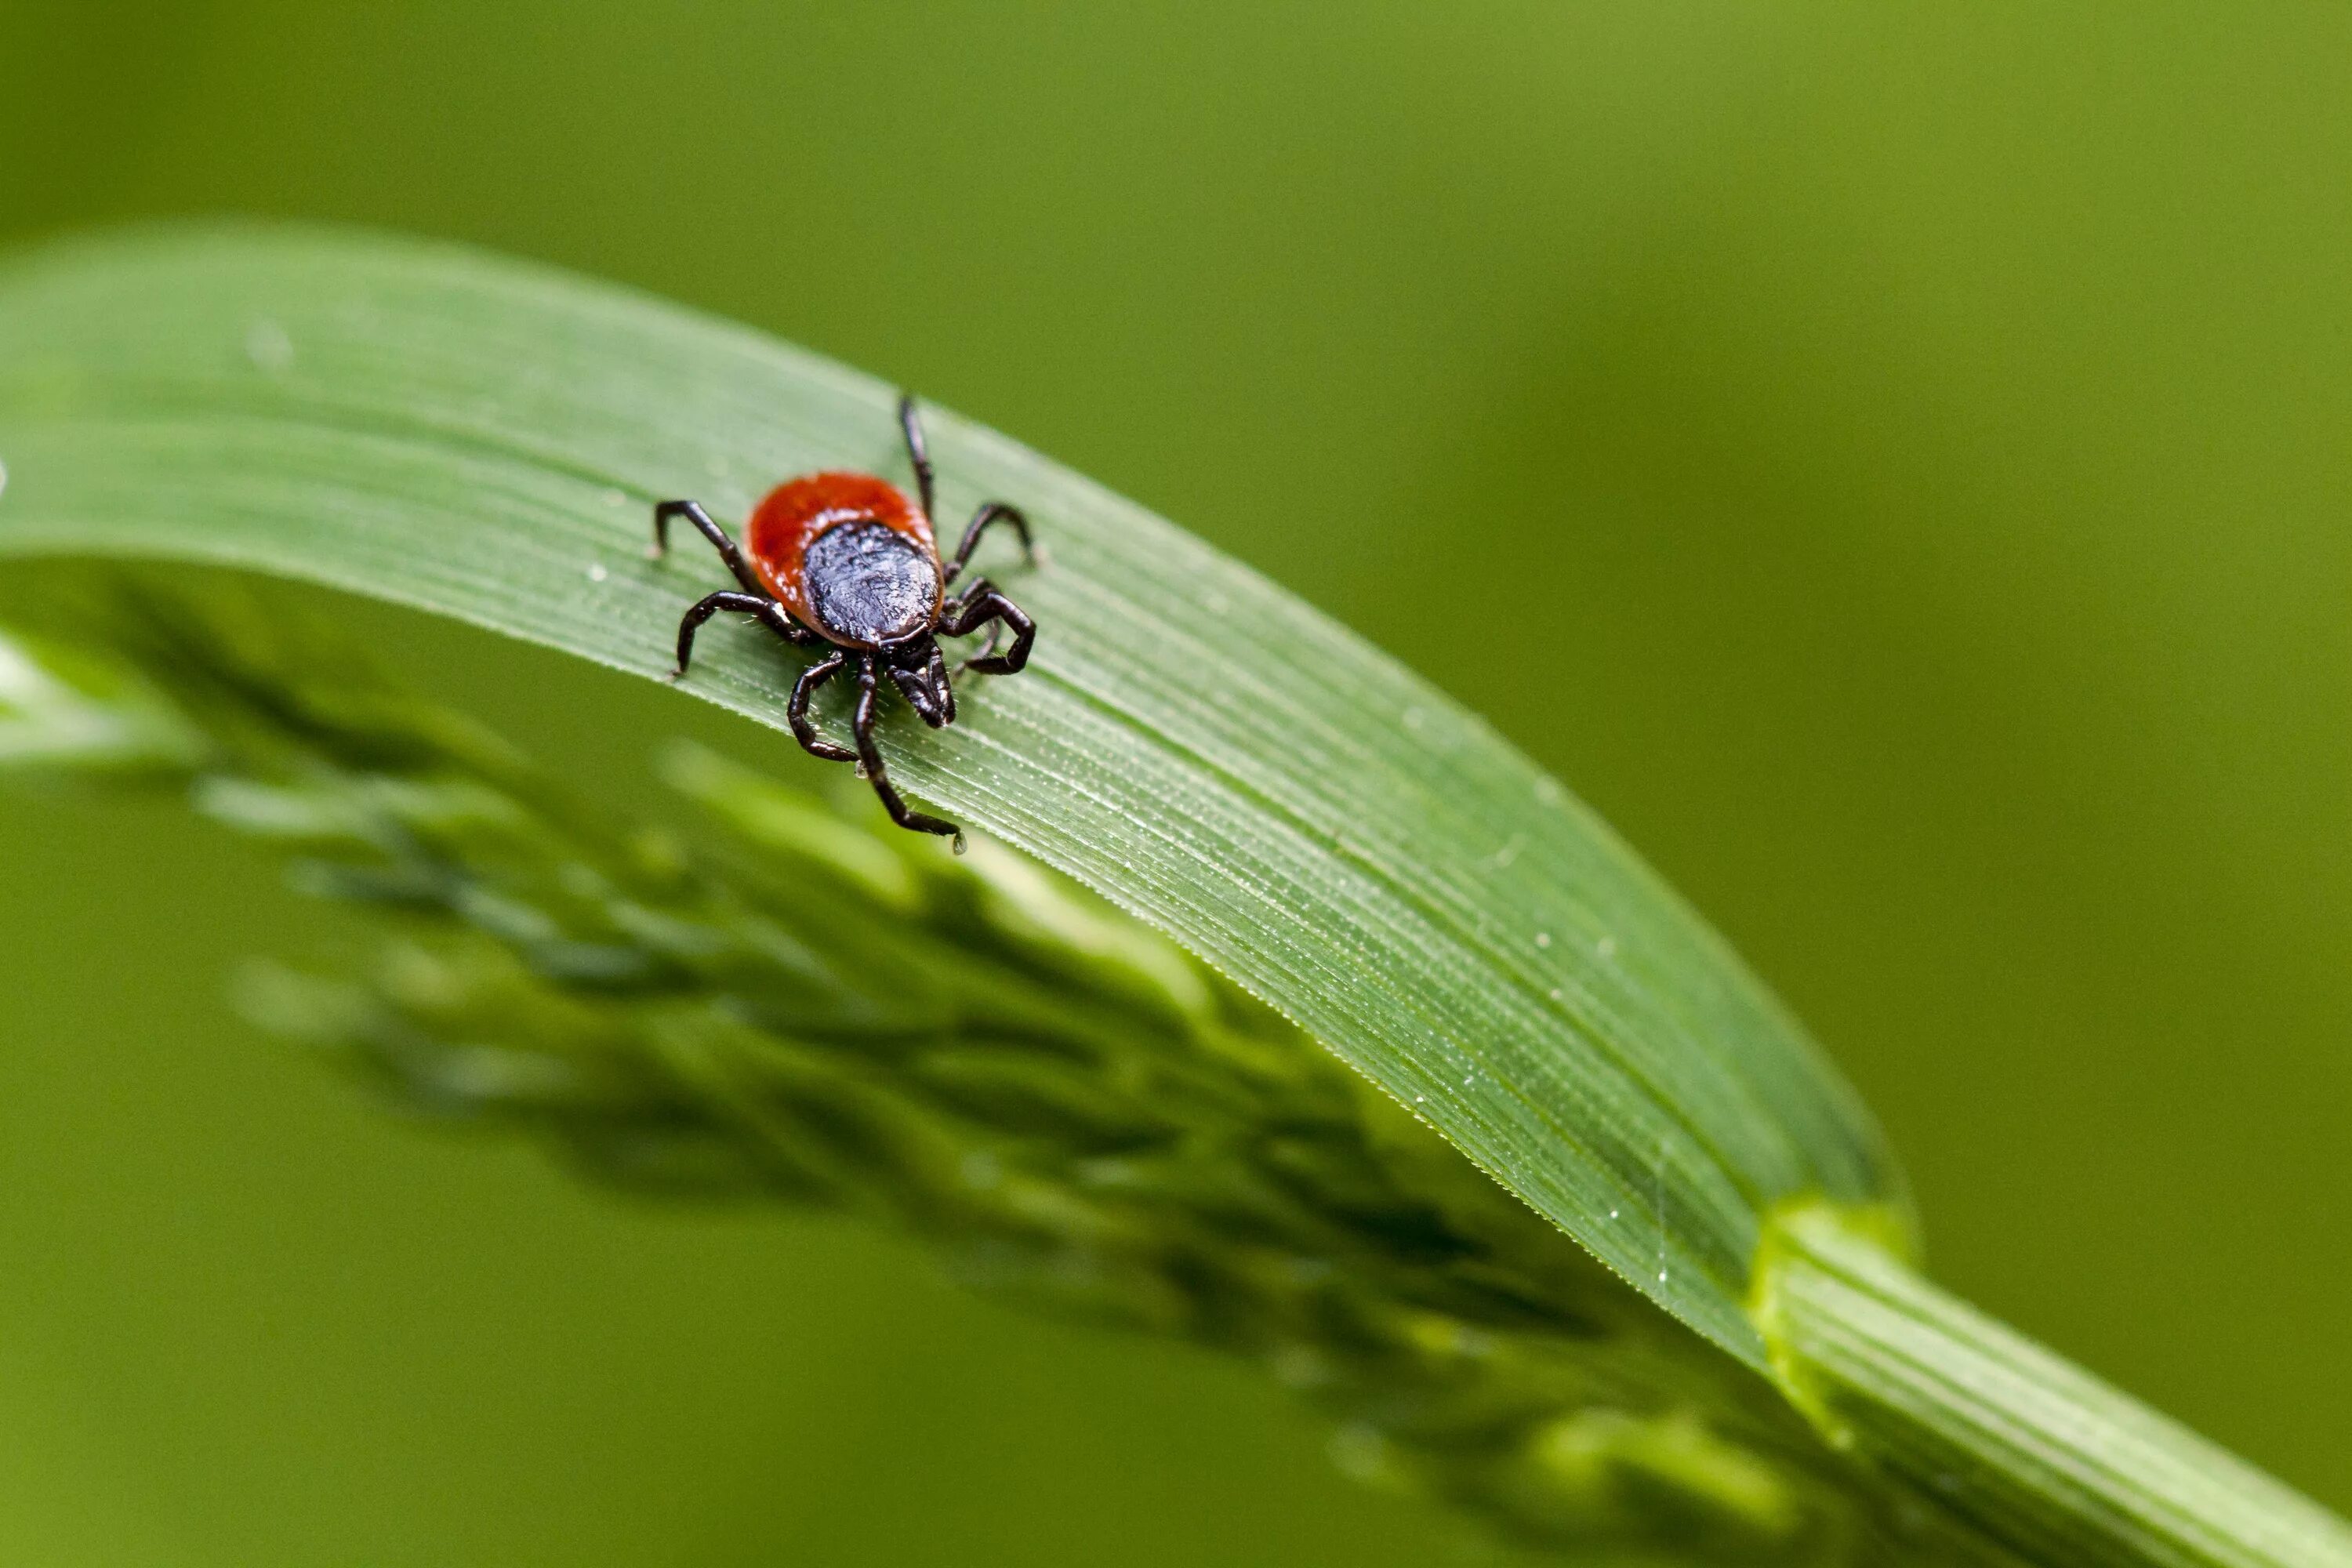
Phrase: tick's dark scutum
[869,584]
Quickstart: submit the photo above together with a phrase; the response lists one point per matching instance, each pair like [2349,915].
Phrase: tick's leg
[987,650]
[692,511]
[796,711]
[703,610]
[869,688]
[779,621]
[918,452]
[978,607]
[990,514]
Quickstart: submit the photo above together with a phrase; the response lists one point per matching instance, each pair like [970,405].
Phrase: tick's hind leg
[918,452]
[796,711]
[868,690]
[980,605]
[692,511]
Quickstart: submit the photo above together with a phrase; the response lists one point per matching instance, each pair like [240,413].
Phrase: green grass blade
[2037,1454]
[484,439]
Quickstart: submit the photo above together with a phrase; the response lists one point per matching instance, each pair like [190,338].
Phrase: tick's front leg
[871,756]
[979,607]
[796,711]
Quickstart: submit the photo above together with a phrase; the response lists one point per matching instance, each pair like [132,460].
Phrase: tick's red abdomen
[797,512]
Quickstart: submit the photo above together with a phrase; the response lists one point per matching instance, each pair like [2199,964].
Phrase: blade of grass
[482,439]
[485,439]
[2042,1458]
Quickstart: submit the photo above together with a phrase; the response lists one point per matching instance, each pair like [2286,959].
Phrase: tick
[846,563]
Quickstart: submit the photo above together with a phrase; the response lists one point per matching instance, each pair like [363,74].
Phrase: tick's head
[919,671]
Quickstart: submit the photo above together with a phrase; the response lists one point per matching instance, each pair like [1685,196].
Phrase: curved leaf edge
[1997,1432]
[1690,1175]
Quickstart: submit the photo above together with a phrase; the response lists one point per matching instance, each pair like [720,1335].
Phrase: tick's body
[849,561]
[851,556]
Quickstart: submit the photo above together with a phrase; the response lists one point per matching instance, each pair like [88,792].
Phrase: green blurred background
[1896,461]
